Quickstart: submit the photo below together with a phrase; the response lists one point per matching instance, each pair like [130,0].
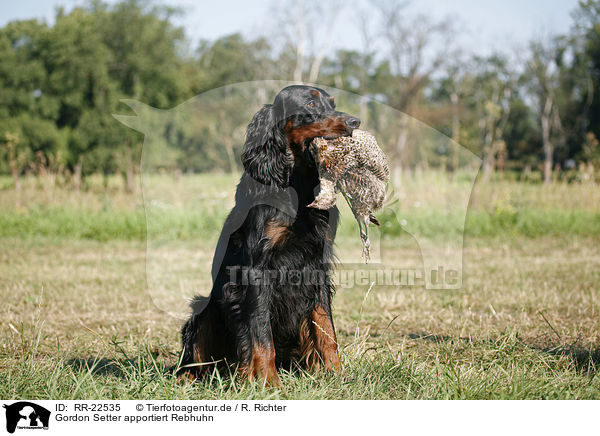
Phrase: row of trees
[535,108]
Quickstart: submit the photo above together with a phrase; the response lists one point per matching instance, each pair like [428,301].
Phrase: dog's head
[279,134]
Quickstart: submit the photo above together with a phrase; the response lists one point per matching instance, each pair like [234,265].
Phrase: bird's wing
[369,155]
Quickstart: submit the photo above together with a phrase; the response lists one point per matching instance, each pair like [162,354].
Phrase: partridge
[358,168]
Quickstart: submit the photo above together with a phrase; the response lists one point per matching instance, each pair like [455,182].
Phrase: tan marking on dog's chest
[277,233]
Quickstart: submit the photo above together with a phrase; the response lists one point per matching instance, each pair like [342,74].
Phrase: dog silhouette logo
[26,415]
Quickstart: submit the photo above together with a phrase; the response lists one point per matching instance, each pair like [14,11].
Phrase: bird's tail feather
[374,219]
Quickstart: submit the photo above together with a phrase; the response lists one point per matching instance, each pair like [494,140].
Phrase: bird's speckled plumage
[356,166]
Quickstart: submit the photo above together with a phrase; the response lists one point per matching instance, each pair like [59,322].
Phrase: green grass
[506,369]
[61,222]
[78,322]
[196,206]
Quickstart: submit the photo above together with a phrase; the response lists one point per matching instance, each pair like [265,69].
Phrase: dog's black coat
[266,324]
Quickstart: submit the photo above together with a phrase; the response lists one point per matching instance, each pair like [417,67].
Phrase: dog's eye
[311,103]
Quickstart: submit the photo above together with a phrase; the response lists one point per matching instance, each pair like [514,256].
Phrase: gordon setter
[270,305]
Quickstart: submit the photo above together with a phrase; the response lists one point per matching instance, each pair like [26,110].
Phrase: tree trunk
[548,164]
[129,172]
[17,178]
[487,166]
[455,131]
[315,68]
[230,154]
[401,146]
[488,156]
[548,147]
[77,171]
[363,111]
[301,27]
[13,162]
[500,159]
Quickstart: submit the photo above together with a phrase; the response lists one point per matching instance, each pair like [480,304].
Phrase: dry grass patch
[77,322]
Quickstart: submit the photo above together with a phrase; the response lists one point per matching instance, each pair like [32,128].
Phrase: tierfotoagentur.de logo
[25,415]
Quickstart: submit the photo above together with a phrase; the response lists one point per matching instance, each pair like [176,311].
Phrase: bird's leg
[363,225]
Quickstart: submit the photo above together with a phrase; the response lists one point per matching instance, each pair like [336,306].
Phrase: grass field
[78,322]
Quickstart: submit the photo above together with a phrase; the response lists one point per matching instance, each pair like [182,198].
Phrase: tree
[585,73]
[144,63]
[305,39]
[75,59]
[16,157]
[491,90]
[452,89]
[230,59]
[543,77]
[411,62]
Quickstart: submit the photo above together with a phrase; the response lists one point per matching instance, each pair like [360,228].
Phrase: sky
[485,25]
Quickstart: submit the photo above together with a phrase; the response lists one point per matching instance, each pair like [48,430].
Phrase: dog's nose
[353,122]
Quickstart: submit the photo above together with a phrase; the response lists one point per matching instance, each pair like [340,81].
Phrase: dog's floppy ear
[266,157]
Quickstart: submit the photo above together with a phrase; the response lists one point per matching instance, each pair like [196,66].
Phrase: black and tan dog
[270,305]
